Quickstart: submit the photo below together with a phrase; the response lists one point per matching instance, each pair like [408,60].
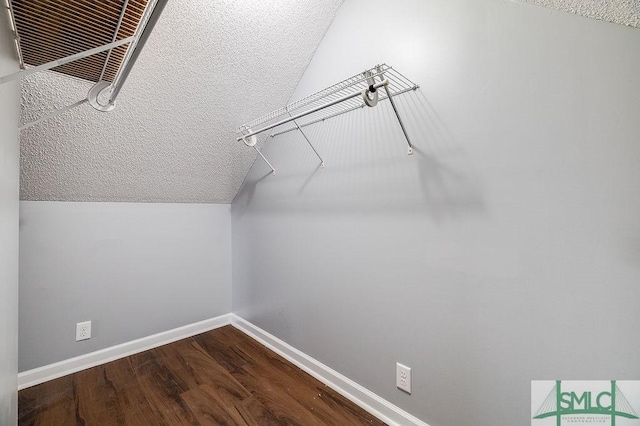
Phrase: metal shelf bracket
[308,141]
[395,109]
[252,141]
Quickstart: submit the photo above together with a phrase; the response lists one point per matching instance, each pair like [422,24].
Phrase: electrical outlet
[83,331]
[403,377]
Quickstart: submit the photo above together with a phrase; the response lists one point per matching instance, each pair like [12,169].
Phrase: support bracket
[252,141]
[52,114]
[308,141]
[395,110]
[99,89]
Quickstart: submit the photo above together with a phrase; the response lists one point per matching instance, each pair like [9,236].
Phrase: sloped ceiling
[625,12]
[208,67]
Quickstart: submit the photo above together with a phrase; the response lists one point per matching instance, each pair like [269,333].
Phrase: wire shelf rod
[345,96]
[73,18]
[334,96]
[394,78]
[115,36]
[65,60]
[71,10]
[359,79]
[54,48]
[317,120]
[303,114]
[397,83]
[80,44]
[327,117]
[409,82]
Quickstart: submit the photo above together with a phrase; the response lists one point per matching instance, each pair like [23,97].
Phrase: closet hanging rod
[353,93]
[335,114]
[251,133]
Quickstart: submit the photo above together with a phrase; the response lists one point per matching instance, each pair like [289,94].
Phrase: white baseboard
[356,393]
[68,366]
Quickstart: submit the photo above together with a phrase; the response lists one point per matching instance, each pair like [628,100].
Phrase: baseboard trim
[351,390]
[72,365]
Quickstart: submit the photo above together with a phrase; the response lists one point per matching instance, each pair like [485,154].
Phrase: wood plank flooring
[221,377]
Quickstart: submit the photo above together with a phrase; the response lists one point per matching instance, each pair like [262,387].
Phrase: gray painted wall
[9,190]
[506,249]
[132,269]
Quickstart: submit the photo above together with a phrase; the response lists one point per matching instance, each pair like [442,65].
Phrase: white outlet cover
[403,377]
[83,331]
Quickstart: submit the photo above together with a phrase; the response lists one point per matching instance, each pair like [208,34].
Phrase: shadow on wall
[367,168]
[446,192]
[245,195]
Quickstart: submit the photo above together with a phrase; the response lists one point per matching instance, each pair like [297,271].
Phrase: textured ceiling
[625,12]
[207,67]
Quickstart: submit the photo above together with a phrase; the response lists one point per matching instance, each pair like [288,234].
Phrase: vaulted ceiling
[207,68]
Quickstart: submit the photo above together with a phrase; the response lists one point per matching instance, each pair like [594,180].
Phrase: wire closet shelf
[348,95]
[98,43]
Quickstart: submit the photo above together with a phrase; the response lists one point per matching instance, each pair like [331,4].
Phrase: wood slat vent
[53,29]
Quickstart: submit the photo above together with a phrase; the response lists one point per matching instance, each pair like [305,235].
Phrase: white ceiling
[207,68]
[625,12]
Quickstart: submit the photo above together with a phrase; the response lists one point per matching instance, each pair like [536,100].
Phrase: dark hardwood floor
[221,377]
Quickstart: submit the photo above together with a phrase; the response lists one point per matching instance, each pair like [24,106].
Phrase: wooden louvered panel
[53,29]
